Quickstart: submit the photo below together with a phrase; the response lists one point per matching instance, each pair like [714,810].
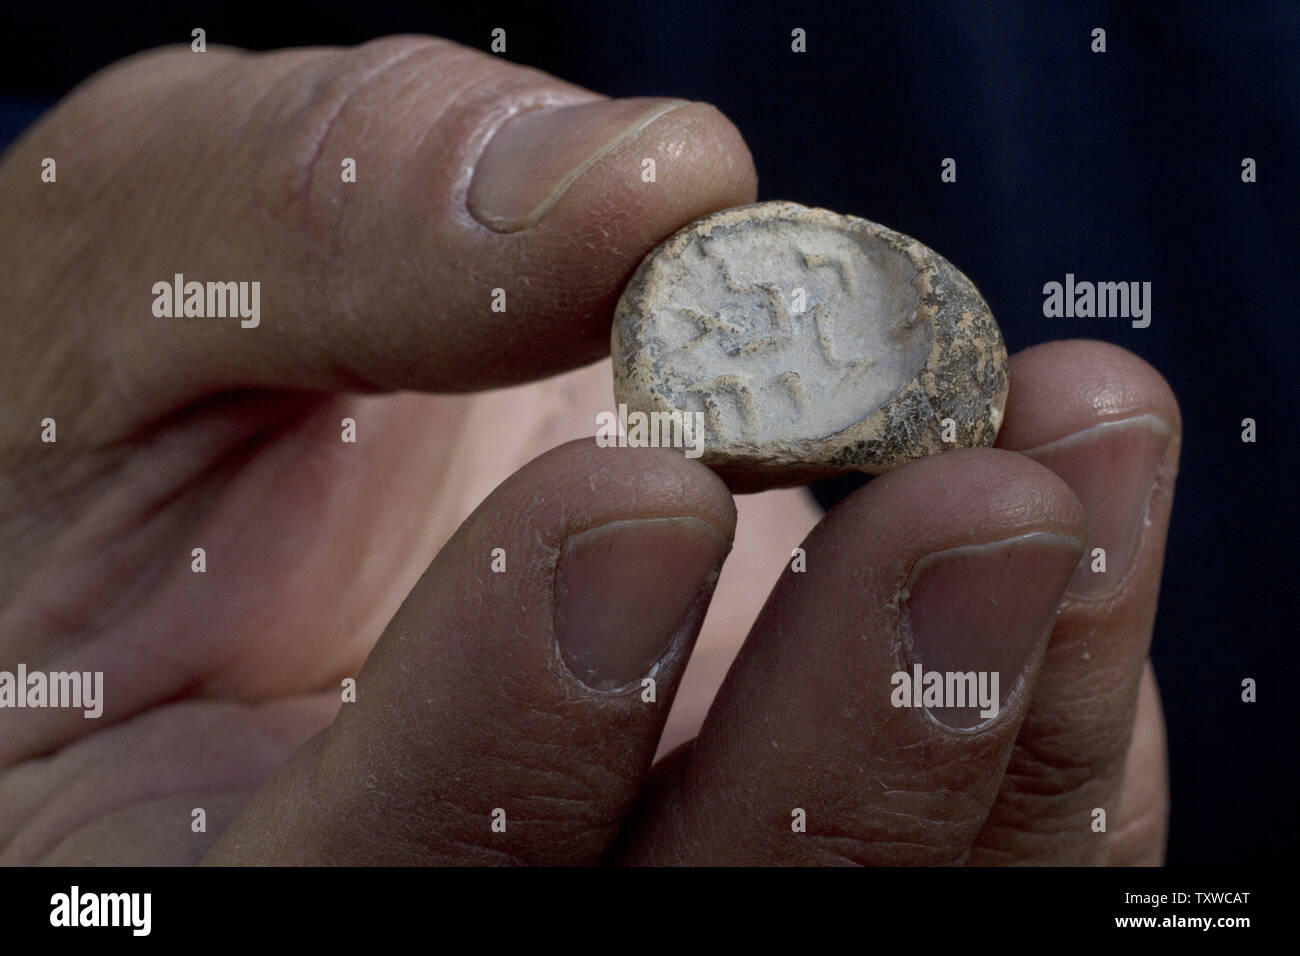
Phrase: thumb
[417,214]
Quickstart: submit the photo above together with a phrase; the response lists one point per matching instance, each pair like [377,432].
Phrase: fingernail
[975,615]
[1112,469]
[625,591]
[535,157]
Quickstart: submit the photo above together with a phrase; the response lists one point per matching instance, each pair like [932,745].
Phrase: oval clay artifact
[811,344]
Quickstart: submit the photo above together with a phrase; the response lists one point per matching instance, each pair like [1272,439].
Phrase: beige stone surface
[813,344]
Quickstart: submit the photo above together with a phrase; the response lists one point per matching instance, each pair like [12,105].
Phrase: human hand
[222,687]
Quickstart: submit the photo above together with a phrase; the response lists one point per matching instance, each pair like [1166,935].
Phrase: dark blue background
[1121,166]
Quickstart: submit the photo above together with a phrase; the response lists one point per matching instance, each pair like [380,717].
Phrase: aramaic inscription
[812,343]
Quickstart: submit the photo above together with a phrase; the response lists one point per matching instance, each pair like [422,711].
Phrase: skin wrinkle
[1055,782]
[448,102]
[187,686]
[466,818]
[332,211]
[424,850]
[1065,756]
[54,373]
[221,806]
[585,775]
[213,724]
[67,622]
[21,526]
[237,65]
[333,97]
